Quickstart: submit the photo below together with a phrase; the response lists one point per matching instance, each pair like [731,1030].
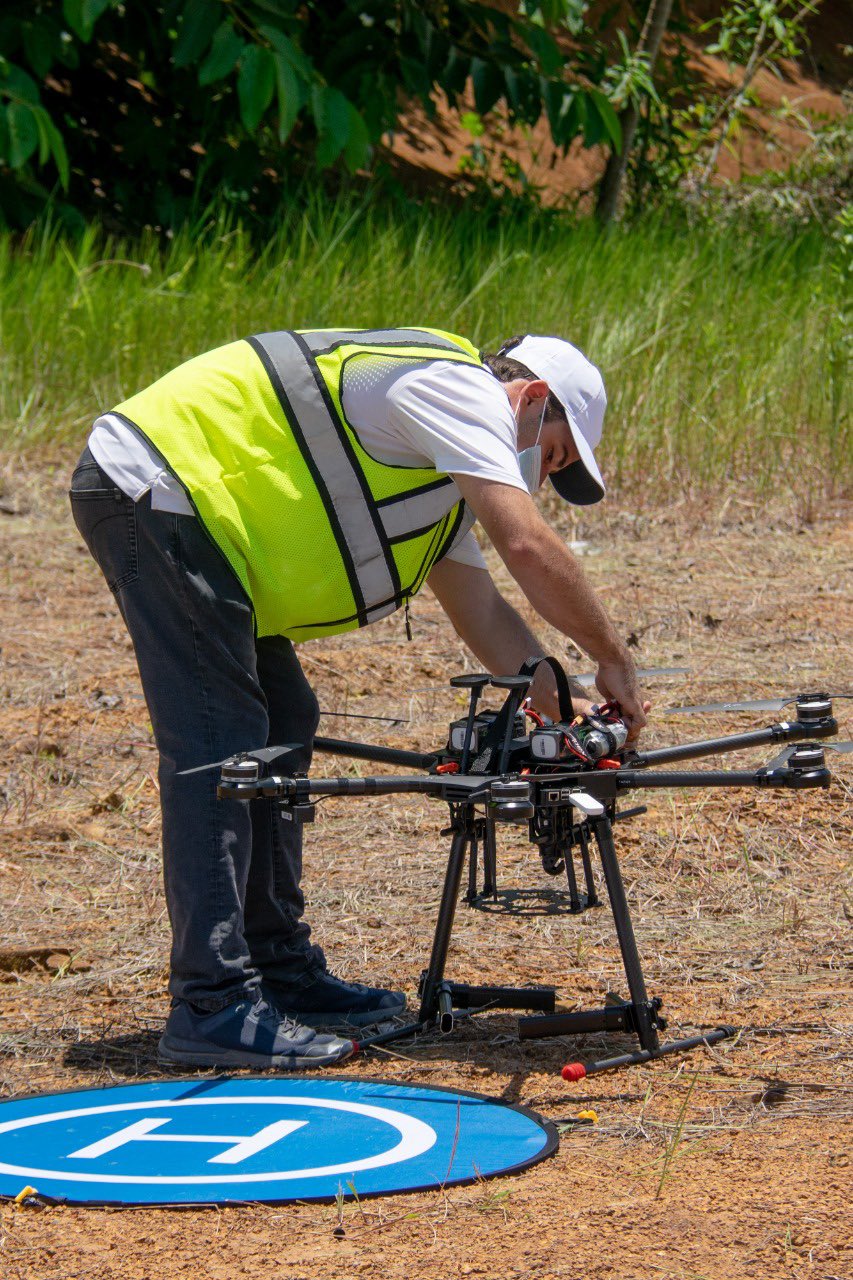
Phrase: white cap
[579,387]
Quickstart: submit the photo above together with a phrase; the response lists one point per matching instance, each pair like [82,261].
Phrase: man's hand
[617,682]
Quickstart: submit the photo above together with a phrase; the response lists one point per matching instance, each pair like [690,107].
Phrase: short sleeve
[458,416]
[466,550]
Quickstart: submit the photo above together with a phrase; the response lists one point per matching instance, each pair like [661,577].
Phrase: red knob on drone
[573,1071]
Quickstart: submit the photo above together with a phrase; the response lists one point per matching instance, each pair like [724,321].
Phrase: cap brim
[580,482]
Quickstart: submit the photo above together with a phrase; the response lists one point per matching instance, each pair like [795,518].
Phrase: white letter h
[238,1148]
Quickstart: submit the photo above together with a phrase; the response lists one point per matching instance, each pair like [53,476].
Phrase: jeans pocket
[106,519]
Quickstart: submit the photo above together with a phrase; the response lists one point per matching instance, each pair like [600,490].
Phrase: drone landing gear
[441,1000]
[639,1015]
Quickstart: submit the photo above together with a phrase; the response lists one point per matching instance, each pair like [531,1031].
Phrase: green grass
[722,350]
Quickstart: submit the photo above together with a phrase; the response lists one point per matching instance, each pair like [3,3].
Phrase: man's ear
[537,389]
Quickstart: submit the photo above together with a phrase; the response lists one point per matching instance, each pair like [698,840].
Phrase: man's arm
[494,632]
[555,584]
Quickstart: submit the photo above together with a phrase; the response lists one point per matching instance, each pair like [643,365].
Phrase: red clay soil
[810,90]
[730,1163]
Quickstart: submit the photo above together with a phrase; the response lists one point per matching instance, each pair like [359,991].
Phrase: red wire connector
[607,763]
[451,766]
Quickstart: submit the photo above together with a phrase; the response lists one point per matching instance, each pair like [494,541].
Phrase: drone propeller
[843,747]
[760,704]
[357,715]
[265,755]
[643,673]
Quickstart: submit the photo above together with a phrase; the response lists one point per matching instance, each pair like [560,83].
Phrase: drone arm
[782,732]
[302,790]
[800,779]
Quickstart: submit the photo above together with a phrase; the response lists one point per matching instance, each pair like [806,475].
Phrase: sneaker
[246,1034]
[319,999]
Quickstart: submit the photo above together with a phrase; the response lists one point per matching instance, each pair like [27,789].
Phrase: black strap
[564,693]
[485,761]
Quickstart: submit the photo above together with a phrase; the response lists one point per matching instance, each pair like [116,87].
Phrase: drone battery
[546,744]
[457,735]
[482,723]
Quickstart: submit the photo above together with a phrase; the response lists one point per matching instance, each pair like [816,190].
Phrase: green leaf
[331,112]
[17,84]
[23,134]
[200,20]
[40,116]
[556,98]
[57,150]
[40,39]
[488,84]
[545,48]
[609,118]
[329,147]
[357,147]
[291,95]
[593,130]
[255,84]
[415,77]
[289,51]
[81,15]
[455,74]
[225,49]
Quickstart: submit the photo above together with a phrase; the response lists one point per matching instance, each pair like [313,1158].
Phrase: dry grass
[740,901]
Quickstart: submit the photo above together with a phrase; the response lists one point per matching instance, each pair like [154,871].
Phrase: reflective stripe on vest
[417,509]
[346,497]
[319,341]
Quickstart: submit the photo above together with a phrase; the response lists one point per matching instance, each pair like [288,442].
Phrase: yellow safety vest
[323,537]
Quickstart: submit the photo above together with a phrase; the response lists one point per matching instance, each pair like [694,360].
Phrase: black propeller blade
[357,715]
[265,755]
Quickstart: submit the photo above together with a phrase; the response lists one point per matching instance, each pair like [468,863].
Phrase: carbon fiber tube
[796,778]
[735,742]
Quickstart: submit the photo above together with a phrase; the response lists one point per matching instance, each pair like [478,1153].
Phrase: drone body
[564,781]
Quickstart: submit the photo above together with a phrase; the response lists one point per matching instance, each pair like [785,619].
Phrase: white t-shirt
[454,417]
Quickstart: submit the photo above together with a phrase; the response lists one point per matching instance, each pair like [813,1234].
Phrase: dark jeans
[232,870]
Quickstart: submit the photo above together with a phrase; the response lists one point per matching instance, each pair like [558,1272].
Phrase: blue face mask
[530,460]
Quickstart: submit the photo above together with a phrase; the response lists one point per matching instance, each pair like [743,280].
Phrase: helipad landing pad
[270,1139]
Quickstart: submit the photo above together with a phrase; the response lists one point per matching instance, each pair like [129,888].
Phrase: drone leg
[566,853]
[592,899]
[490,860]
[473,868]
[644,1010]
[434,977]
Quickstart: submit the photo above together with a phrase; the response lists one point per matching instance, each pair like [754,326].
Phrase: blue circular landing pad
[264,1139]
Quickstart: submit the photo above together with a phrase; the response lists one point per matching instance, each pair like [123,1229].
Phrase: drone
[564,781]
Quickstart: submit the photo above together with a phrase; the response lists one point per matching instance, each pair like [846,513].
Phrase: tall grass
[722,350]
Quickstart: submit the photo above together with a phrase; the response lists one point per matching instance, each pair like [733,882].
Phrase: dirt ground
[732,1162]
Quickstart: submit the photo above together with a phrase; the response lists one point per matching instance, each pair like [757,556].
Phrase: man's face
[558,447]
